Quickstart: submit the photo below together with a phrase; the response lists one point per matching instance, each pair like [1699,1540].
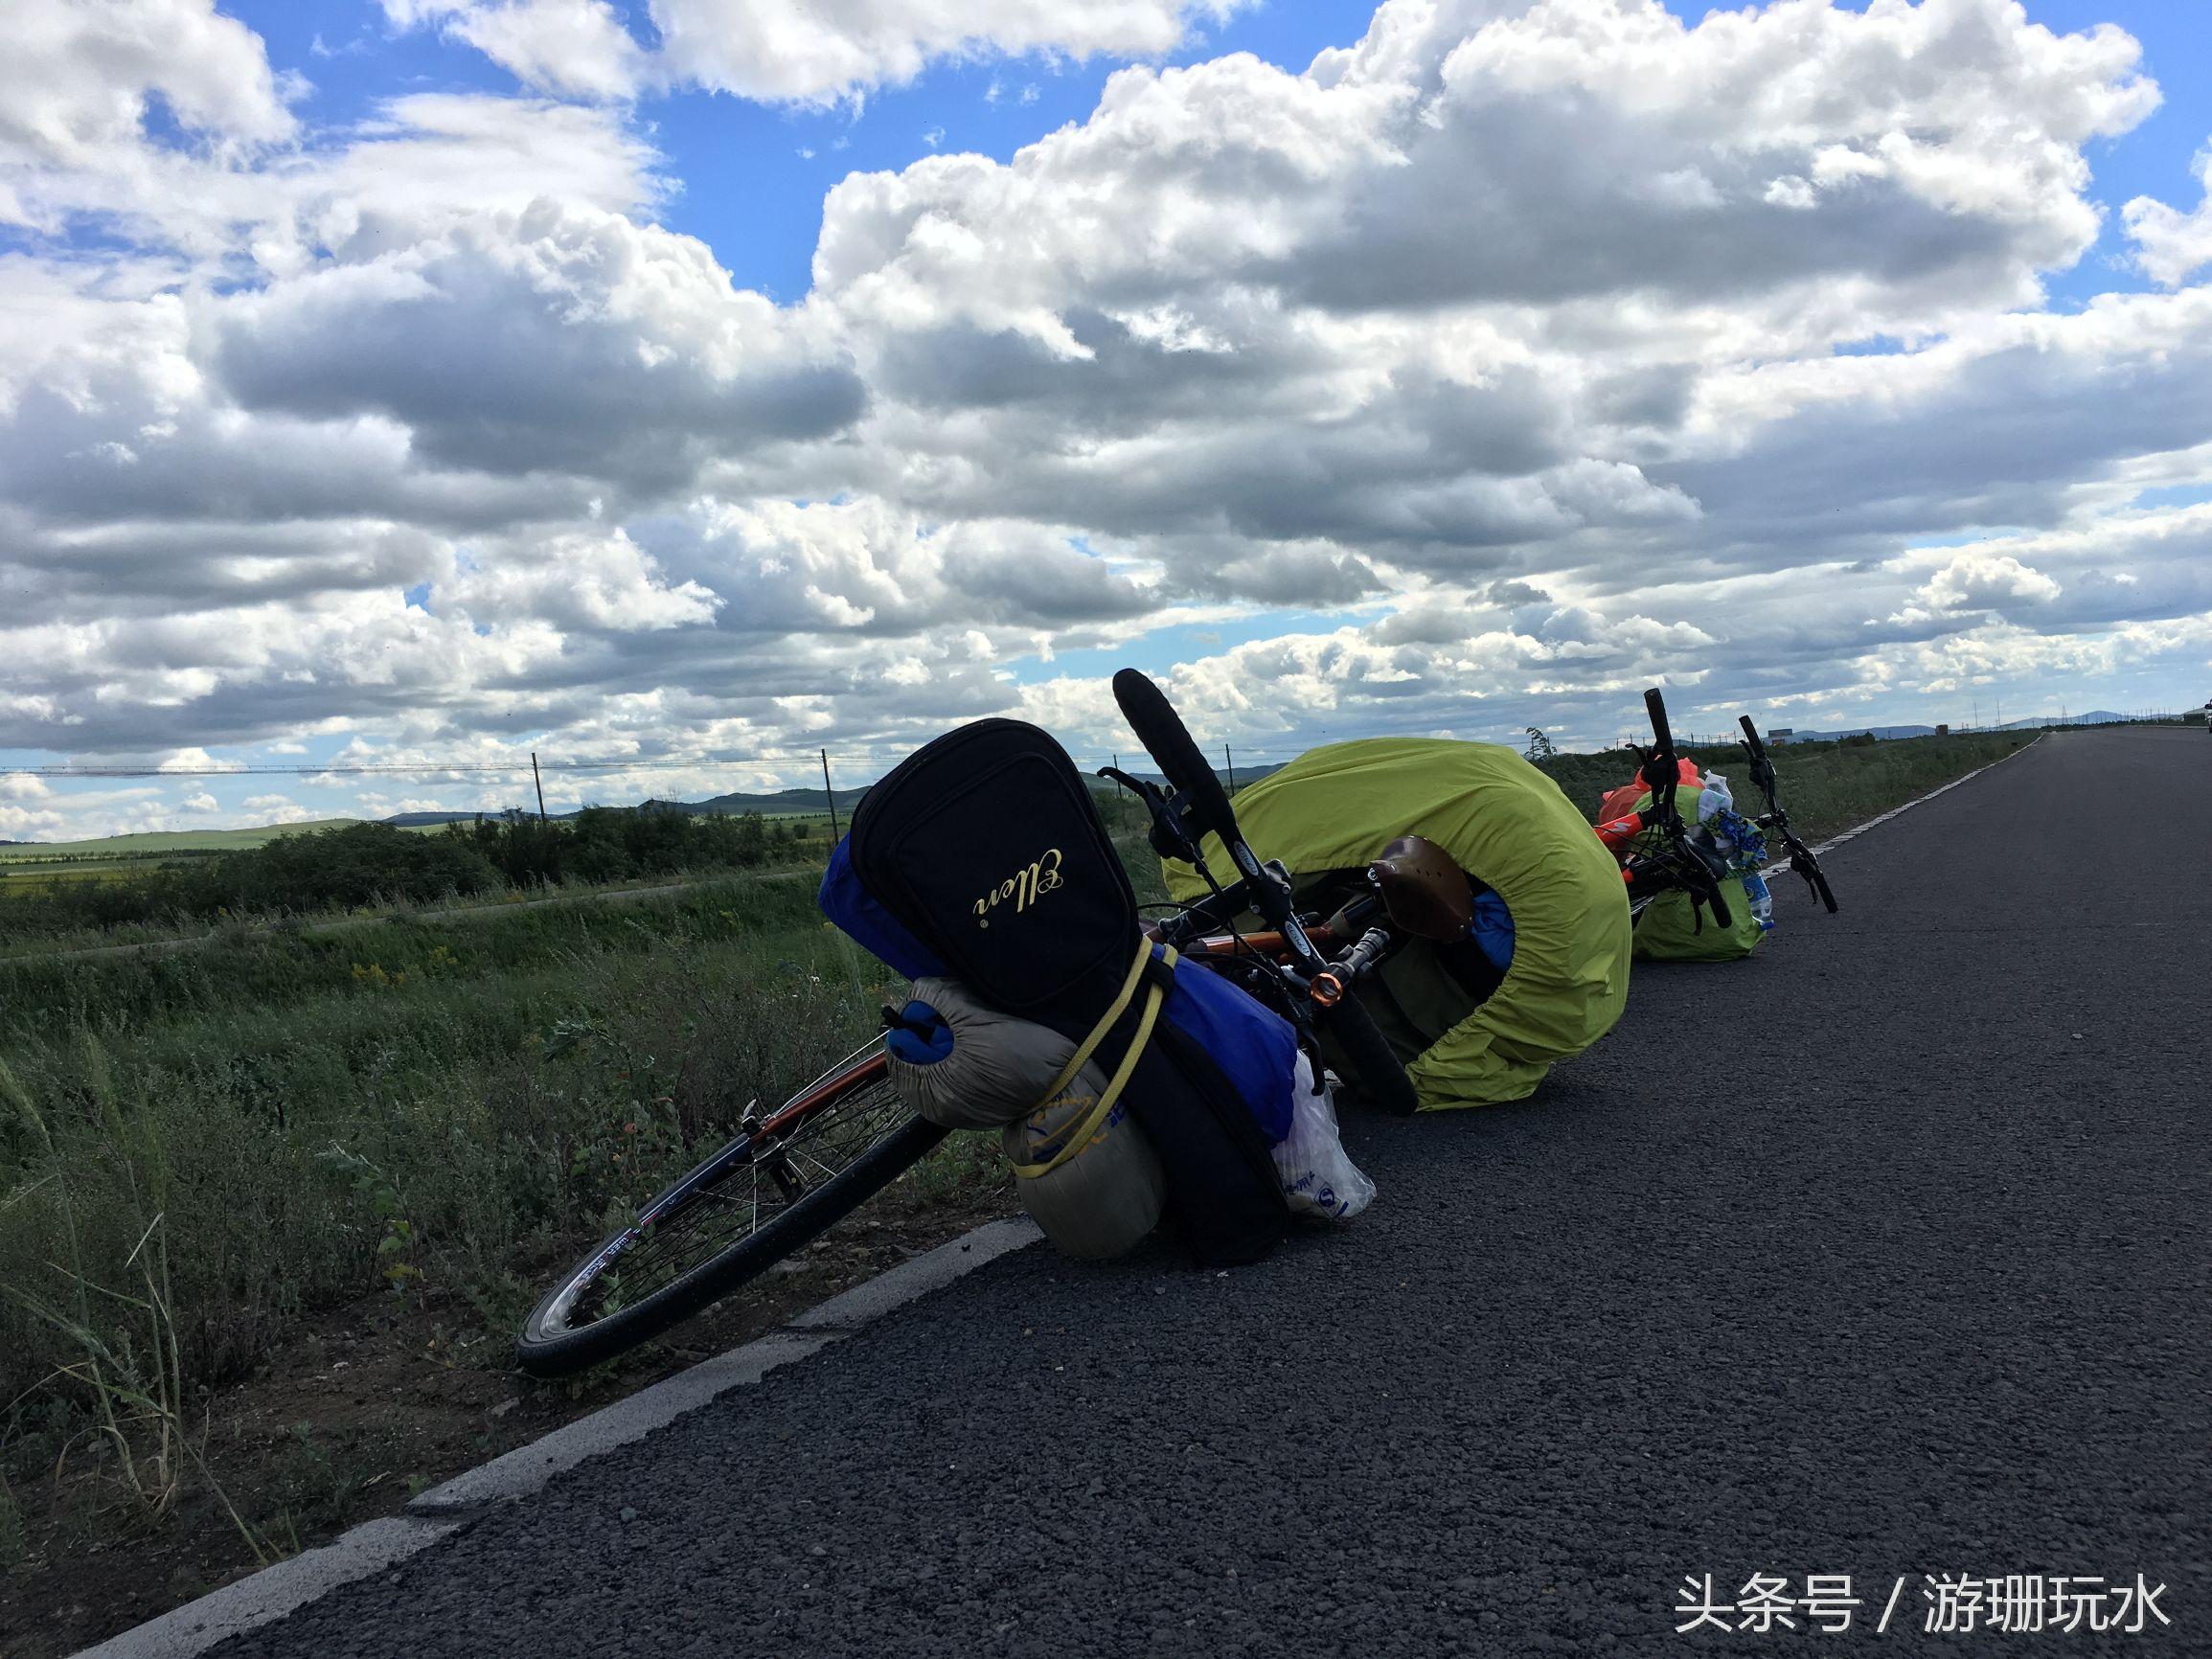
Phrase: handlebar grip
[1656,706]
[1820,886]
[1751,738]
[1163,733]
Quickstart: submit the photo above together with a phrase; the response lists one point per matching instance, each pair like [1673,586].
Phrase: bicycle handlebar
[1803,860]
[1660,770]
[1696,870]
[1163,733]
[1762,768]
[1818,880]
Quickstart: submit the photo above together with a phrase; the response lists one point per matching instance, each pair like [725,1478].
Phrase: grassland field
[125,852]
[205,1153]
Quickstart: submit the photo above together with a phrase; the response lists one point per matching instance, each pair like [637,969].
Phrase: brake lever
[1135,786]
[1804,862]
[1170,836]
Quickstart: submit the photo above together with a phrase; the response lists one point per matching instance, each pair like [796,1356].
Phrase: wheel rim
[763,1176]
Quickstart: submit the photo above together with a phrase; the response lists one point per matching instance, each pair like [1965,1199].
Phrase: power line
[517,768]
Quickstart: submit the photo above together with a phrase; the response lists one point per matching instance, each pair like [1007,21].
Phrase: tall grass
[312,1117]
[117,1347]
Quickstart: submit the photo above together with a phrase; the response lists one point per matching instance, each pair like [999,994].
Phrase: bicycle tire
[547,1346]
[1377,1073]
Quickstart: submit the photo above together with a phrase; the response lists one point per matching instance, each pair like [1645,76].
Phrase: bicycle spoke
[798,1156]
[786,1177]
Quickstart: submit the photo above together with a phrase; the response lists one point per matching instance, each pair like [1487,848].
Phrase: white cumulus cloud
[1498,362]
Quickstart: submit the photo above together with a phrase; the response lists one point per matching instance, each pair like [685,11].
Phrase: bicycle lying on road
[1661,853]
[794,1171]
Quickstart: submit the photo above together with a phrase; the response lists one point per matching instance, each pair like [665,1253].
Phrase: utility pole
[540,783]
[836,834]
[1232,760]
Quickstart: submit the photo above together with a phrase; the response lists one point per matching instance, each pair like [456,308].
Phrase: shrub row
[361,864]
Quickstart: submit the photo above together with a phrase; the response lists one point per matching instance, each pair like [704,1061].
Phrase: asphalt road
[1883,1254]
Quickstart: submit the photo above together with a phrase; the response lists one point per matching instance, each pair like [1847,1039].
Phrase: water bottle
[1762,901]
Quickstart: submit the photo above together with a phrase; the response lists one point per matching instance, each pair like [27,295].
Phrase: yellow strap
[1081,1136]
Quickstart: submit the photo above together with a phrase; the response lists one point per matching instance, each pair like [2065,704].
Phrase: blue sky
[749,191]
[442,433]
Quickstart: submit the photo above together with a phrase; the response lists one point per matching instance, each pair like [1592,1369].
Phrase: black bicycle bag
[986,848]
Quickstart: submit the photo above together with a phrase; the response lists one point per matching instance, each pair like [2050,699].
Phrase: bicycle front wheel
[782,1183]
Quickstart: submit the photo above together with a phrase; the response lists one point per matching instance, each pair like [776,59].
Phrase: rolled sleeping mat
[1102,1202]
[967,1066]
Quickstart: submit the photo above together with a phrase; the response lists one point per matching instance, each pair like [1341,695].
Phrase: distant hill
[780,804]
[431,820]
[2032,722]
[1244,775]
[2094,717]
[785,801]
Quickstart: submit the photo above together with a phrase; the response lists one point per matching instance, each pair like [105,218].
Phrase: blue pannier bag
[875,929]
[982,858]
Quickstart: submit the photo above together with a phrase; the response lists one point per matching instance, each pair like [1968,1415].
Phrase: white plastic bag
[1317,1178]
[1716,800]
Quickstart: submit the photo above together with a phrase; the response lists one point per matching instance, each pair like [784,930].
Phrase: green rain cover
[1669,930]
[1509,825]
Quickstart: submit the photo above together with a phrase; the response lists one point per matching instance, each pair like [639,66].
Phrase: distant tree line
[361,864]
[613,843]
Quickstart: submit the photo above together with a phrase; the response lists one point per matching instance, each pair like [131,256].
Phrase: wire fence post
[835,832]
[535,777]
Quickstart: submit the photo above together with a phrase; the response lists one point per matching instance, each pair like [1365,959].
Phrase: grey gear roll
[1103,1200]
[997,1071]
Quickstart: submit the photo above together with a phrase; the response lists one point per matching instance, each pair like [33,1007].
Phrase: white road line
[381,1546]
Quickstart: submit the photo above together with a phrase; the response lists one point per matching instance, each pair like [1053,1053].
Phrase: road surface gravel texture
[1882,1254]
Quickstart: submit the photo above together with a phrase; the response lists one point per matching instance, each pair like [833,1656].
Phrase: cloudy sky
[387,382]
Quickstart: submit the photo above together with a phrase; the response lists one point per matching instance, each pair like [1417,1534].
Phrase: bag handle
[1080,1135]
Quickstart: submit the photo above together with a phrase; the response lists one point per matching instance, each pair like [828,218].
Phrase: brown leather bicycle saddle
[1424,889]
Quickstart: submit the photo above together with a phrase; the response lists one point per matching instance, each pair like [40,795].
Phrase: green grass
[19,876]
[124,853]
[280,1099]
[163,843]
